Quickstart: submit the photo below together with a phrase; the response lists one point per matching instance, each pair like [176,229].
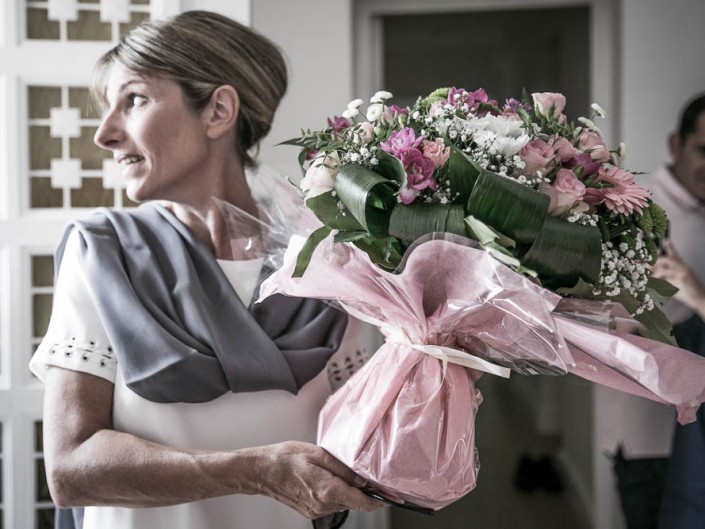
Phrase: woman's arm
[88,463]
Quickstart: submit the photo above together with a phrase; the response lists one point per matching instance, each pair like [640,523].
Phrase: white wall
[662,67]
[316,35]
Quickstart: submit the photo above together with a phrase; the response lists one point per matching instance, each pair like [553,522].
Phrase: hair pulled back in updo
[201,51]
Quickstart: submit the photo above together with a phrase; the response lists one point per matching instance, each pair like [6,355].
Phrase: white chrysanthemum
[381,96]
[590,125]
[622,152]
[351,113]
[355,103]
[598,110]
[374,111]
[508,146]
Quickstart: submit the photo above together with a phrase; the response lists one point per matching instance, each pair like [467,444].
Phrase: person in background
[680,189]
[171,400]
[637,434]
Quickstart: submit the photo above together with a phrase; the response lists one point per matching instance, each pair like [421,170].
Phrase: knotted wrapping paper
[405,421]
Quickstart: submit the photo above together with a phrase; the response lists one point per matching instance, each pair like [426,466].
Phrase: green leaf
[349,236]
[326,208]
[565,252]
[367,195]
[484,234]
[390,167]
[462,175]
[660,290]
[410,221]
[293,141]
[657,326]
[582,289]
[385,252]
[304,257]
[508,206]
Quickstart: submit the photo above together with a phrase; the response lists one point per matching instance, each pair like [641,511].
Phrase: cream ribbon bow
[395,334]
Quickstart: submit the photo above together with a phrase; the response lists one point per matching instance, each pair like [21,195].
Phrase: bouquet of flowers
[478,237]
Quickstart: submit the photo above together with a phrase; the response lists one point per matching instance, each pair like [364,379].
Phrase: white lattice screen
[50,172]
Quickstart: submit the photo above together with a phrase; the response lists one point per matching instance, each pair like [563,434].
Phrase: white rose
[320,176]
[365,133]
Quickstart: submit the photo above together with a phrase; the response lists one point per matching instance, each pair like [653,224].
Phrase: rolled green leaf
[462,175]
[511,208]
[327,207]
[565,252]
[391,167]
[368,197]
[410,221]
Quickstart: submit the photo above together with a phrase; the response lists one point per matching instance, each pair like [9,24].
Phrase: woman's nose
[109,133]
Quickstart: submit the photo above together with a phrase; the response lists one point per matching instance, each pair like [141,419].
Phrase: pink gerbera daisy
[624,196]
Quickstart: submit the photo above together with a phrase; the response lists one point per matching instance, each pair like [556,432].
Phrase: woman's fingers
[310,480]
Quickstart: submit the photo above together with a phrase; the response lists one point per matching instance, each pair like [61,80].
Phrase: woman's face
[158,141]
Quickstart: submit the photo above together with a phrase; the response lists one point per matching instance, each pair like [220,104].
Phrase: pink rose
[591,142]
[436,151]
[419,175]
[320,176]
[565,192]
[564,150]
[549,104]
[538,157]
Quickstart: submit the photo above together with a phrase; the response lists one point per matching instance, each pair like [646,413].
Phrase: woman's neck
[202,214]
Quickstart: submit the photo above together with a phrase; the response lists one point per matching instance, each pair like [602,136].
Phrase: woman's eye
[137,100]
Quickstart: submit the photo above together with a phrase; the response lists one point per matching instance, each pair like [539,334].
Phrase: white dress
[76,340]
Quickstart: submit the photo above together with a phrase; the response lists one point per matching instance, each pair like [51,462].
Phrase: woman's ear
[223,110]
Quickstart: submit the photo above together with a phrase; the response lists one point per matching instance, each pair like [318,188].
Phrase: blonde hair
[201,51]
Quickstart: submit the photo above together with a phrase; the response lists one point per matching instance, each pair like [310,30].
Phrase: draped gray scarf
[177,327]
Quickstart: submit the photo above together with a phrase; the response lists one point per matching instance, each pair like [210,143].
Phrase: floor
[503,434]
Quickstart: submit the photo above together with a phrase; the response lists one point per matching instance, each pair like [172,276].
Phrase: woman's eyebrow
[131,82]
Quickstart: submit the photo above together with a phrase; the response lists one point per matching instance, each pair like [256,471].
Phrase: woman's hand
[310,480]
[672,268]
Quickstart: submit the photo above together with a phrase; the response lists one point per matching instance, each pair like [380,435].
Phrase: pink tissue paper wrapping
[405,421]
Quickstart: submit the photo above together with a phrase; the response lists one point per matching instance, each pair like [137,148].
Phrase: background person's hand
[310,480]
[672,268]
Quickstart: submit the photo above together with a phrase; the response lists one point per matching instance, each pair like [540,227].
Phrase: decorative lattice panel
[44,508]
[66,169]
[41,292]
[83,20]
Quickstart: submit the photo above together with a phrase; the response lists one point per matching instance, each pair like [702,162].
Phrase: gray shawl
[179,331]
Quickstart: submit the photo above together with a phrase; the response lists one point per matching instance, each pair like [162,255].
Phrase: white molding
[5,161]
[5,24]
[5,319]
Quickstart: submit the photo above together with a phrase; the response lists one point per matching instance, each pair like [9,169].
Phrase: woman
[167,403]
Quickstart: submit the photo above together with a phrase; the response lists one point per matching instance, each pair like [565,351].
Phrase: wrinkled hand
[672,268]
[311,481]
